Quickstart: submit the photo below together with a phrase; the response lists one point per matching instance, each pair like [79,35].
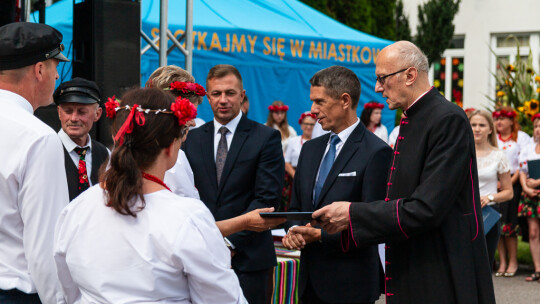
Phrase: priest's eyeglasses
[382,78]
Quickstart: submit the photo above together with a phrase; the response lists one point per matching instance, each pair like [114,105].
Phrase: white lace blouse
[512,149]
[488,167]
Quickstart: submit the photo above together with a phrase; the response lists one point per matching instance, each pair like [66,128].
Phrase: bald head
[408,54]
[402,74]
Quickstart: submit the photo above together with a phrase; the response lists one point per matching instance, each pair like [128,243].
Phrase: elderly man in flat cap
[33,190]
[78,103]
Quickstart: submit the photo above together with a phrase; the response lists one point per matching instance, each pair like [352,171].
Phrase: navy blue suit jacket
[252,178]
[337,276]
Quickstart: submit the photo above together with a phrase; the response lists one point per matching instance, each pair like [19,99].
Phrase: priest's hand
[332,218]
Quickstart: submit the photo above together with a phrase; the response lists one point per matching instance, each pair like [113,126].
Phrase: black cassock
[431,218]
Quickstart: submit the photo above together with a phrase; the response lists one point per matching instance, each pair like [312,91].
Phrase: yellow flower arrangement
[518,86]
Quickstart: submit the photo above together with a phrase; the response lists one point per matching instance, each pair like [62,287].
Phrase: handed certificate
[289,215]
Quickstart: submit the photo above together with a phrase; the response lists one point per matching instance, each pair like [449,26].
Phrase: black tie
[221,154]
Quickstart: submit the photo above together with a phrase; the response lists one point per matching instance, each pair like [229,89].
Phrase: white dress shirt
[172,252]
[231,125]
[343,136]
[33,191]
[180,178]
[70,146]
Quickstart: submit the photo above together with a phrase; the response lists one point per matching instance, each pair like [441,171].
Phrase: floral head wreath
[278,108]
[467,110]
[504,113]
[537,115]
[373,105]
[306,114]
[181,108]
[187,87]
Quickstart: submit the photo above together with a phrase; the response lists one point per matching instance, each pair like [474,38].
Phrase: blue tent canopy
[277,45]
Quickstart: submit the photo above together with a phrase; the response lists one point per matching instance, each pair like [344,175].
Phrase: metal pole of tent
[163,27]
[189,36]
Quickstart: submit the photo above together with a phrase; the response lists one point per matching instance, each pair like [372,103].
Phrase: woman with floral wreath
[277,119]
[371,118]
[493,168]
[529,206]
[307,122]
[129,238]
[511,141]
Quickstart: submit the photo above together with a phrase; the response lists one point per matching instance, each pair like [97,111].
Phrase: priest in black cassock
[431,218]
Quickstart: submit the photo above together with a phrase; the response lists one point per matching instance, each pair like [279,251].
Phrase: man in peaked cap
[33,190]
[79,108]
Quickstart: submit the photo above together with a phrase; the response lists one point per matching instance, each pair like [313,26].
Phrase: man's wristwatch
[491,198]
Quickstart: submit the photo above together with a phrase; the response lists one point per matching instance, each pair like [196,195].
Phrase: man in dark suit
[238,167]
[78,109]
[349,163]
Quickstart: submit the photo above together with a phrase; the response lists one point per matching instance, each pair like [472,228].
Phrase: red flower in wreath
[529,213]
[187,87]
[110,107]
[184,110]
[278,108]
[520,208]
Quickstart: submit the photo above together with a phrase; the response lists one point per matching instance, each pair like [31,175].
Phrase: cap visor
[61,57]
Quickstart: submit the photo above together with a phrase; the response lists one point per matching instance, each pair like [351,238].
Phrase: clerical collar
[417,99]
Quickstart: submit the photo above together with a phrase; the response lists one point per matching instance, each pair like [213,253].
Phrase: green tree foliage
[382,13]
[403,31]
[375,17]
[435,27]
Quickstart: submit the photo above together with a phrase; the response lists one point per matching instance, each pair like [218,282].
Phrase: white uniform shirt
[172,252]
[180,178]
[489,167]
[293,150]
[381,133]
[33,191]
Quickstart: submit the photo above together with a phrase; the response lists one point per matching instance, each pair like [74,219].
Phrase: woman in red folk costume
[153,244]
[512,141]
[371,118]
[529,206]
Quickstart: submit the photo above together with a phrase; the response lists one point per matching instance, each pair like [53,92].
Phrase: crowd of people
[171,212]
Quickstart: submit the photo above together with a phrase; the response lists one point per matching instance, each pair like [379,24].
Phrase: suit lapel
[207,148]
[239,137]
[347,151]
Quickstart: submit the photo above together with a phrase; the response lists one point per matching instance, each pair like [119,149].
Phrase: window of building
[447,74]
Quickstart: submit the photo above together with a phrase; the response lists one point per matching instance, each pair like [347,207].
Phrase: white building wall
[479,21]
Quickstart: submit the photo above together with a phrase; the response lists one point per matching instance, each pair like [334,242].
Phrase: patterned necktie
[222,150]
[326,165]
[83,175]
